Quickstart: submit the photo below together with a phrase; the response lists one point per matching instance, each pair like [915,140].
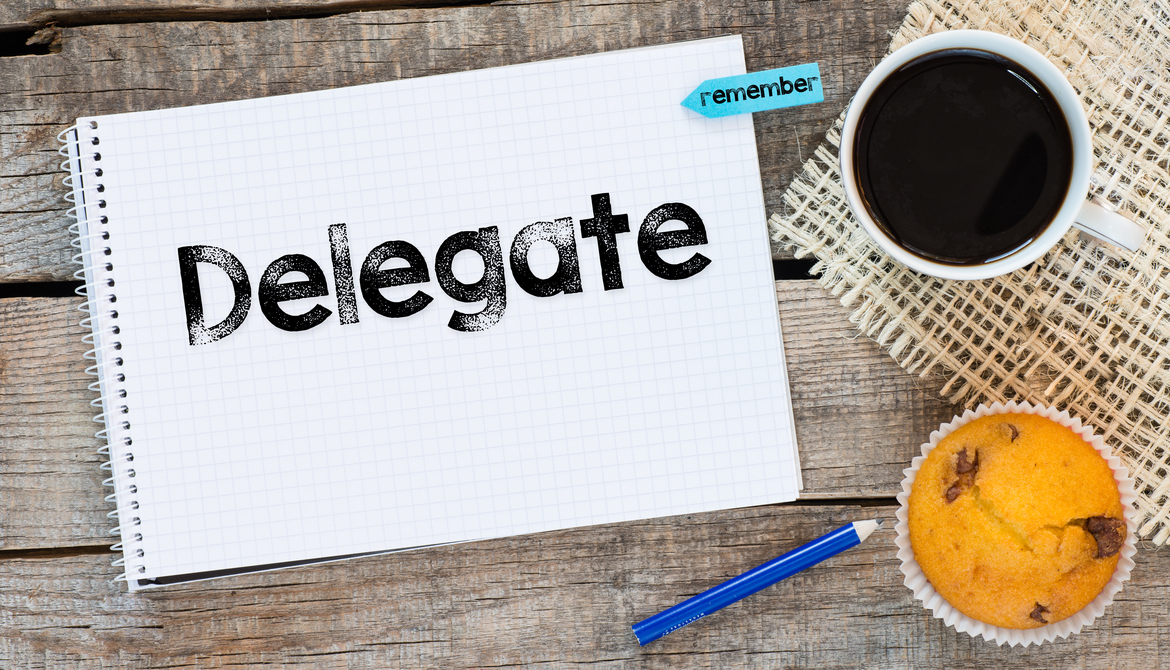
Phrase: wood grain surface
[859,417]
[40,14]
[106,69]
[50,481]
[563,599]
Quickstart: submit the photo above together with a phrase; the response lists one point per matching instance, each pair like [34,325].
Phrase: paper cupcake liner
[931,600]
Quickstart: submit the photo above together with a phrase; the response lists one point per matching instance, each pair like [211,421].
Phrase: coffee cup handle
[1110,227]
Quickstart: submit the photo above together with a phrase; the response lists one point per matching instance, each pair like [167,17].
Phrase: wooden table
[561,599]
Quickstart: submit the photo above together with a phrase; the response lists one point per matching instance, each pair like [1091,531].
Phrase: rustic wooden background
[552,600]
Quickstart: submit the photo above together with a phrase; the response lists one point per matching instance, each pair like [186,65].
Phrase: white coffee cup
[1074,210]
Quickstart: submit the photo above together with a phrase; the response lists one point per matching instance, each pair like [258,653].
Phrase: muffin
[1016,520]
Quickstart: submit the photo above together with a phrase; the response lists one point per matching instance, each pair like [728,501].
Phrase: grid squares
[664,397]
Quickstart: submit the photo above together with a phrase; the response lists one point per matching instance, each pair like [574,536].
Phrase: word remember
[756,91]
[490,288]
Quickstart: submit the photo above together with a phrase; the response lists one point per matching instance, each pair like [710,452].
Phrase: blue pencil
[736,588]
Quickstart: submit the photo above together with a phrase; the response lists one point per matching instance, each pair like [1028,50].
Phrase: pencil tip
[865,528]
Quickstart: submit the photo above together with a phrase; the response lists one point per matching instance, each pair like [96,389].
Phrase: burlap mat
[1086,328]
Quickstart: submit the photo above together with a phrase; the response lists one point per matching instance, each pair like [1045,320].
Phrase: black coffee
[963,156]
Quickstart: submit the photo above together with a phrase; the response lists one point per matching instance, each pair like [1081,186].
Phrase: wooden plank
[50,481]
[549,600]
[36,14]
[859,418]
[118,68]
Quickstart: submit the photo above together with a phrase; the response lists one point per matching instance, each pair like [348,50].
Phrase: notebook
[429,311]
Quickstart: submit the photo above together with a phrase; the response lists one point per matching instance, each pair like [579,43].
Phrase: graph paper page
[493,409]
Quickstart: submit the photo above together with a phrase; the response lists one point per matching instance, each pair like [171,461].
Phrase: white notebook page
[664,396]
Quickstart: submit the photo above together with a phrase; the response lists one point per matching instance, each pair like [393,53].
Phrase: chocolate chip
[1015,434]
[964,465]
[1039,612]
[1109,534]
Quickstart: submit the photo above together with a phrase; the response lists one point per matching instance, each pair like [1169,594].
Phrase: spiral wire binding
[94,255]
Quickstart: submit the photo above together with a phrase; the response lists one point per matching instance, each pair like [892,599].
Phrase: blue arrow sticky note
[757,91]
